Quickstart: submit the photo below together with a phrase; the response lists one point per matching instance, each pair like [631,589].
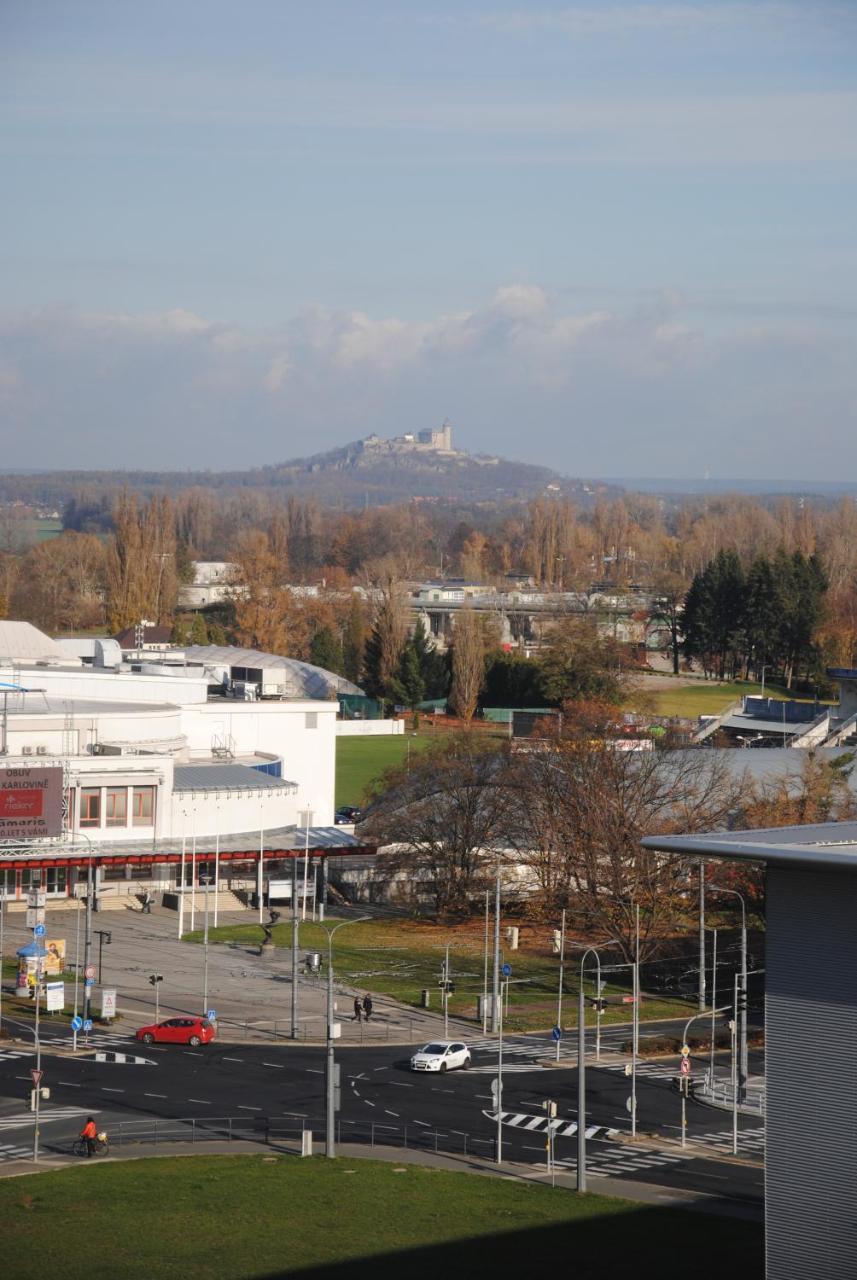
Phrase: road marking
[315,1071]
[192,1054]
[425,1124]
[203,1101]
[369,1104]
[225,1059]
[391,1113]
[68,1084]
[278,1065]
[104,1089]
[243,1108]
[401,1084]
[380,1068]
[154,1095]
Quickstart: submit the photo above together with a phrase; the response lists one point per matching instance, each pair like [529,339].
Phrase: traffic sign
[87,1026]
[506,971]
[76,1023]
[495,1087]
[89,971]
[556,1034]
[89,982]
[37,1076]
[685,1066]
[212,1015]
[685,1050]
[39,930]
[629,1068]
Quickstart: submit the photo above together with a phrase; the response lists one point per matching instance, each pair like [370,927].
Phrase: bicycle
[101,1147]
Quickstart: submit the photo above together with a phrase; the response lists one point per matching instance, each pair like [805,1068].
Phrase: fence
[407,1031]
[275,1131]
[720,1093]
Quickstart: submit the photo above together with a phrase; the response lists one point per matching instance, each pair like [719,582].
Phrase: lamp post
[495,1024]
[701,1004]
[307,822]
[559,987]
[684,1078]
[764,669]
[329,1146]
[581,1075]
[295,926]
[742,1014]
[485,959]
[216,859]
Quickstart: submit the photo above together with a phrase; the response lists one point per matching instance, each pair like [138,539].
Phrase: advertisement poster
[31,803]
[54,961]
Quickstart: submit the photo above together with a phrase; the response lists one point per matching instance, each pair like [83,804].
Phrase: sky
[614,237]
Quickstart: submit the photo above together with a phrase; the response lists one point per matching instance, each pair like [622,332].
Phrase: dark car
[347,814]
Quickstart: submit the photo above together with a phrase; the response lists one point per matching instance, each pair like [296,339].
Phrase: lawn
[359,761]
[703,698]
[401,958]
[243,1217]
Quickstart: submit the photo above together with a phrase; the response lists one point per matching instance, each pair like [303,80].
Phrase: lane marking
[68,1084]
[425,1124]
[369,1104]
[278,1065]
[225,1059]
[380,1068]
[104,1089]
[242,1108]
[391,1113]
[401,1084]
[202,1101]
[315,1071]
[154,1095]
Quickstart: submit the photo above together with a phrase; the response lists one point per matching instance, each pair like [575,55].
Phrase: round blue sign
[556,1034]
[76,1023]
[506,971]
[39,930]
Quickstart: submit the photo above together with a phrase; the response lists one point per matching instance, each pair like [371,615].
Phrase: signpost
[108,1002]
[76,1023]
[212,1015]
[39,930]
[556,1035]
[55,992]
[37,1076]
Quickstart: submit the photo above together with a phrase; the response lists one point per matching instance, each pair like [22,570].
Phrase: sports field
[243,1217]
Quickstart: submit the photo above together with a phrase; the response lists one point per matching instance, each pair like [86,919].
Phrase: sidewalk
[642,1193]
[250,993]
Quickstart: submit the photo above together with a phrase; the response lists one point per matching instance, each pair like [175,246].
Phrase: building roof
[302,679]
[226,777]
[127,639]
[22,642]
[279,841]
[816,846]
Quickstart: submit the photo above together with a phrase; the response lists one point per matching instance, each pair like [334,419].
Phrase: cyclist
[89,1134]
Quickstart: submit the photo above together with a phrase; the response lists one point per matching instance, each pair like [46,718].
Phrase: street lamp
[331,1109]
[684,1078]
[742,1013]
[581,1074]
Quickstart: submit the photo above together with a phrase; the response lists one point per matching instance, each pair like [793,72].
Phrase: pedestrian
[147,903]
[367,1006]
[89,1133]
[358,1011]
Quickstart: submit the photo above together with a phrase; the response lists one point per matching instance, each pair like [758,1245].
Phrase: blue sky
[615,237]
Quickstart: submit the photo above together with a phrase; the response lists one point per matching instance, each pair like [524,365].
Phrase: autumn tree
[60,583]
[468,663]
[578,661]
[141,562]
[387,637]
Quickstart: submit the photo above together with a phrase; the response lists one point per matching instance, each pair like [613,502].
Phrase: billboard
[31,802]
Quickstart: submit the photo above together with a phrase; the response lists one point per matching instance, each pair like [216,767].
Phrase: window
[116,810]
[311,720]
[90,807]
[144,807]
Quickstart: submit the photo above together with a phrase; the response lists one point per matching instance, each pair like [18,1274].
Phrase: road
[284,1086]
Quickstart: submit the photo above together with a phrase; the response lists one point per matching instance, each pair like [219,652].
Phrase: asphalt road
[283,1087]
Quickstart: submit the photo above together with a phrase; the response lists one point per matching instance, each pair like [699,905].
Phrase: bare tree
[468,663]
[443,819]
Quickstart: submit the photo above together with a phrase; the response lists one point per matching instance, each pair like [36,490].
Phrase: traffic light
[556,944]
[599,1003]
[741,1006]
[155,978]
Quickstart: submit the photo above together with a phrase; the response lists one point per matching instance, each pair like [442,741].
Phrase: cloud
[617,390]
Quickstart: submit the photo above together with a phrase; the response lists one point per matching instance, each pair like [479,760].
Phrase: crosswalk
[9,1152]
[8,1055]
[560,1126]
[491,1069]
[24,1118]
[607,1162]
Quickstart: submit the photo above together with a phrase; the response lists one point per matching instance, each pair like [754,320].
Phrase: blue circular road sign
[39,930]
[506,971]
[556,1034]
[76,1023]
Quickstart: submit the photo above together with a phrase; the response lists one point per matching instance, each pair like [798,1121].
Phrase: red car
[178,1031]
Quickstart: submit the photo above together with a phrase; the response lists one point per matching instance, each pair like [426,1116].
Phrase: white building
[223,747]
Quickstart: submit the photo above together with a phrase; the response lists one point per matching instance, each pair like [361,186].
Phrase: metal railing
[274,1131]
[720,1093]
[407,1030]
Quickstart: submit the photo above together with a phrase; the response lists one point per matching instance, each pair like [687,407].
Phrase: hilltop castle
[433,440]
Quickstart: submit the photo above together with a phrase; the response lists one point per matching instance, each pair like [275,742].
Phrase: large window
[116,807]
[144,807]
[90,807]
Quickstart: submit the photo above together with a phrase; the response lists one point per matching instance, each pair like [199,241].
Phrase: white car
[441,1055]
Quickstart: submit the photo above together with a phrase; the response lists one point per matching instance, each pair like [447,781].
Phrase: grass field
[359,761]
[238,1217]
[401,958]
[701,698]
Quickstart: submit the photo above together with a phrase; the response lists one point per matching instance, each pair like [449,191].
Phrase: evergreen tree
[325,651]
[198,630]
[433,666]
[408,686]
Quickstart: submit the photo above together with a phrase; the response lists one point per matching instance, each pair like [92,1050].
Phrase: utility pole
[559,990]
[499,1090]
[37,1078]
[294,1030]
[485,975]
[701,1005]
[87,943]
[495,1019]
[581,1083]
[2,920]
[205,951]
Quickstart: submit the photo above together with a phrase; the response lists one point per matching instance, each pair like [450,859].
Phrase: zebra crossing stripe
[561,1128]
[61,1113]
